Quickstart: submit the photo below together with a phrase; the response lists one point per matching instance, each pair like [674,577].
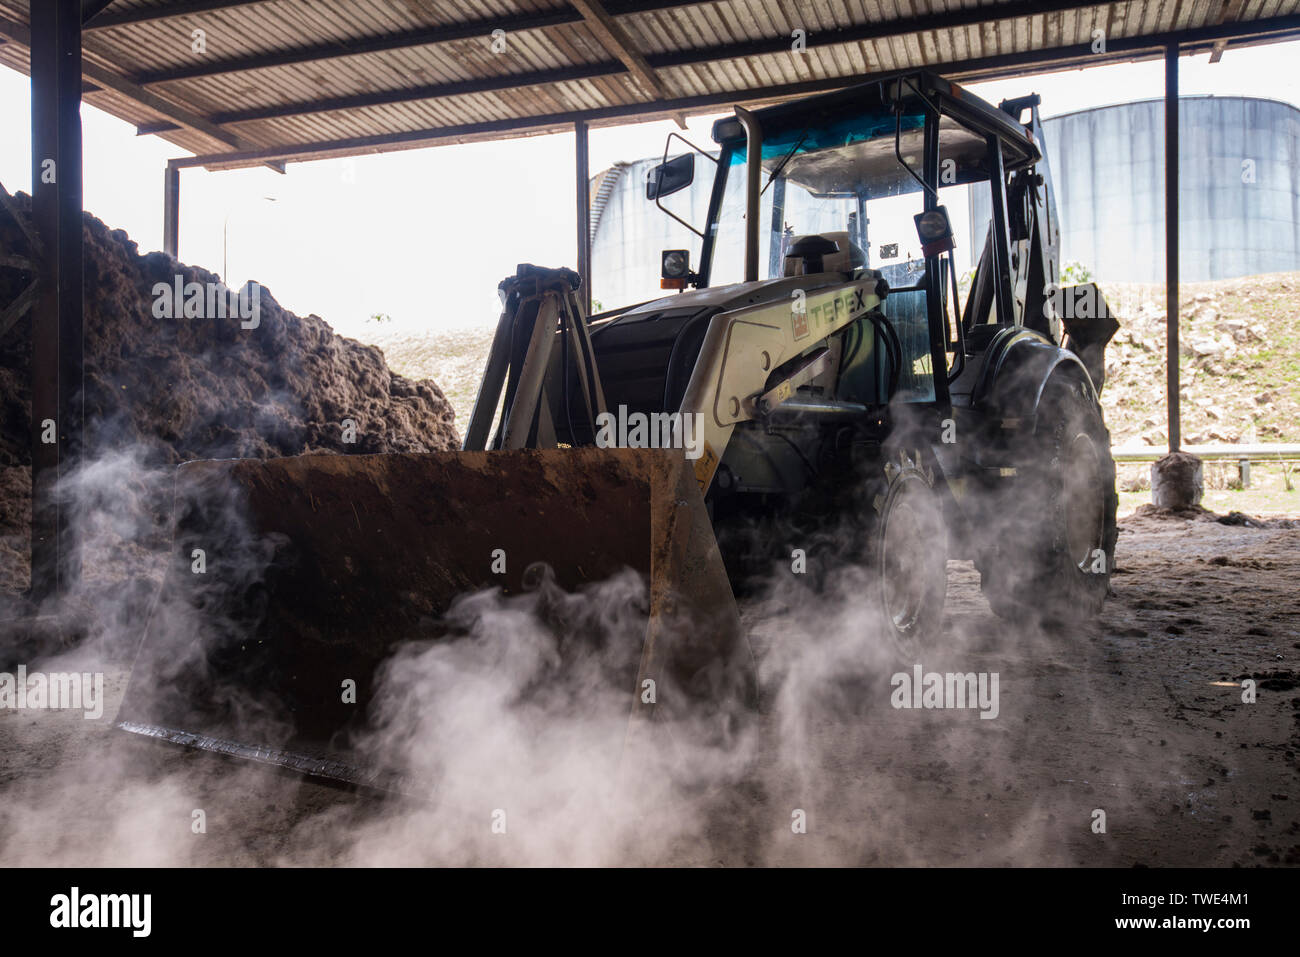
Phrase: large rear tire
[1055,547]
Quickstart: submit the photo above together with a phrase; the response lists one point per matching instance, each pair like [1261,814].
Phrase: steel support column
[172,210]
[582,176]
[1171,243]
[57,318]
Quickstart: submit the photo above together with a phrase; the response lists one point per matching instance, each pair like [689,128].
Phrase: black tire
[908,553]
[1056,539]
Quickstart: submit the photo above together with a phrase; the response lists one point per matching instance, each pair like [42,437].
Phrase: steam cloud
[518,730]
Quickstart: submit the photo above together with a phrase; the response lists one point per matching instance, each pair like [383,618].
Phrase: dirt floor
[1142,719]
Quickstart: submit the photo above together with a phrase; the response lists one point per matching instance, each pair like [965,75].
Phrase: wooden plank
[616,41]
[1229,13]
[25,300]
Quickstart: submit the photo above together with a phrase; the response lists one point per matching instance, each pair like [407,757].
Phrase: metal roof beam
[106,21]
[483,28]
[547,123]
[182,117]
[105,78]
[377,44]
[91,9]
[874,30]
[191,7]
[777,44]
[706,55]
[386,97]
[1272,29]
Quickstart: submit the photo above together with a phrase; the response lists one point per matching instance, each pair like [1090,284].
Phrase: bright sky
[425,235]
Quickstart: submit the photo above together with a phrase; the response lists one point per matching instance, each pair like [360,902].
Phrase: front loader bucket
[292,577]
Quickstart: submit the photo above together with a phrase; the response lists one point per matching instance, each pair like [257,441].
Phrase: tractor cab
[876,179]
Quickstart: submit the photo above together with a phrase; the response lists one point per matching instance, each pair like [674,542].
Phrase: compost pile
[169,390]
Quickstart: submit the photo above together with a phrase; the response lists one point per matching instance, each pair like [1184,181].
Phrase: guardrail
[1210,453]
[1243,455]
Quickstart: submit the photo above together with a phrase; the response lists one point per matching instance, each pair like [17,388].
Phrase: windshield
[837,175]
[842,175]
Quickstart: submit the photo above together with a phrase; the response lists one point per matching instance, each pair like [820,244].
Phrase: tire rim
[904,571]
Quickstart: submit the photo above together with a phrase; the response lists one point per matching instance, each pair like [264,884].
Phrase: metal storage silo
[1240,179]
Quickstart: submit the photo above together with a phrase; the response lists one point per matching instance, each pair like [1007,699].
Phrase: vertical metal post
[777,232]
[582,176]
[753,180]
[1001,242]
[57,326]
[172,211]
[934,275]
[1171,243]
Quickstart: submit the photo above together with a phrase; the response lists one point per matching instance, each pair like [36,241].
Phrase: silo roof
[1182,98]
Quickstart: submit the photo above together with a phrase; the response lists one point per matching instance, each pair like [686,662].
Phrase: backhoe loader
[822,379]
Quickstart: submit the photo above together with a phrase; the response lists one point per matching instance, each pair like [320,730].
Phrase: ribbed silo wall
[631,232]
[1239,191]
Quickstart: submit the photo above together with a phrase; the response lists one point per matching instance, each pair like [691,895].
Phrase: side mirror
[670,177]
[935,232]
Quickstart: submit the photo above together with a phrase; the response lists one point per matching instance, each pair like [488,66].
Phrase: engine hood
[733,296]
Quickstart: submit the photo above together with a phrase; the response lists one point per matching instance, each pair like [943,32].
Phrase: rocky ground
[1239,368]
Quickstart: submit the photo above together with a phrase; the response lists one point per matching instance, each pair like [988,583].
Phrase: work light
[935,231]
[674,269]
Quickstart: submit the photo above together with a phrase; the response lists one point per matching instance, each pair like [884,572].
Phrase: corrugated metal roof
[311,78]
